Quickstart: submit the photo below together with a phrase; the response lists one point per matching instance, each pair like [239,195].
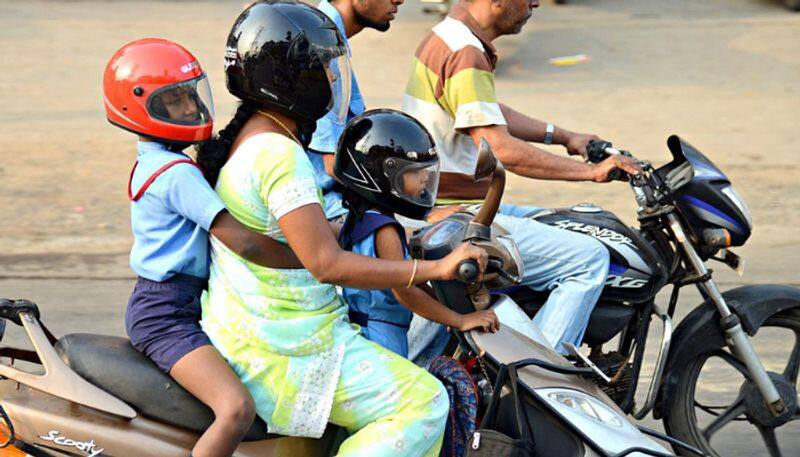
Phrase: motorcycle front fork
[735,336]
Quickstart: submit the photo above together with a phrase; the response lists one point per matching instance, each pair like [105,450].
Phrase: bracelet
[413,274]
[548,135]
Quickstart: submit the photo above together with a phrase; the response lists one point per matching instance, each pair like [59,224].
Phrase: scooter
[689,213]
[91,395]
[570,414]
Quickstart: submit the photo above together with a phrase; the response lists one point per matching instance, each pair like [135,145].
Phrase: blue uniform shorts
[163,318]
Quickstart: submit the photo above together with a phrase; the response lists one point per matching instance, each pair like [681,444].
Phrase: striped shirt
[451,89]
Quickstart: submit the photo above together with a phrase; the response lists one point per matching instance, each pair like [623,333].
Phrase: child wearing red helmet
[157,90]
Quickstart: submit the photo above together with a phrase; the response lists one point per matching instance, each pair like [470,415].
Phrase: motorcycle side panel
[636,273]
[700,331]
[51,422]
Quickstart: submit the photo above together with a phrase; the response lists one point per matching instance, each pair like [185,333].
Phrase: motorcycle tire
[680,419]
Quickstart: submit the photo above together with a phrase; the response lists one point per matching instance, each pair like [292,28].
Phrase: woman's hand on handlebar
[486,320]
[603,171]
[448,266]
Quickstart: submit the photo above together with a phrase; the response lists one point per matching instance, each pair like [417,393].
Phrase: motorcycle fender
[699,332]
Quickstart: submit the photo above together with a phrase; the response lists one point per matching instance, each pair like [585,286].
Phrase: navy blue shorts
[163,318]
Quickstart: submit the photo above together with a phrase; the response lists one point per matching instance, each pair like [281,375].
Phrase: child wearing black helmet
[387,163]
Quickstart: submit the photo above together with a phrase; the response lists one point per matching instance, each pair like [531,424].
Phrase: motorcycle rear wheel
[681,418]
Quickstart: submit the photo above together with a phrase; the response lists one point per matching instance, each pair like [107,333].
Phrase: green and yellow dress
[287,335]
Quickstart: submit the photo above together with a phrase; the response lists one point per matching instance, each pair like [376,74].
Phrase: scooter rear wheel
[720,427]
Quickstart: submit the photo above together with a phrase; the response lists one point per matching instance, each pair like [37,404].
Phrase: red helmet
[156,88]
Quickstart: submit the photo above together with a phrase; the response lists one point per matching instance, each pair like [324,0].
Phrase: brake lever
[497,267]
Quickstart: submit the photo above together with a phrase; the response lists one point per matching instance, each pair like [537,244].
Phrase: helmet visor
[183,103]
[414,181]
[338,71]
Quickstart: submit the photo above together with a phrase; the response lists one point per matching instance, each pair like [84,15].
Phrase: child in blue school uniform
[157,90]
[387,163]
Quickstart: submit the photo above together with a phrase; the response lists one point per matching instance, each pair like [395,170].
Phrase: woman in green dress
[286,332]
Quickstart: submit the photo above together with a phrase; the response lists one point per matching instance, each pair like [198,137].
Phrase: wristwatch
[548,135]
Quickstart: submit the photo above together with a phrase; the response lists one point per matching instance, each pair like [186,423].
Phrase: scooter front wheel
[717,409]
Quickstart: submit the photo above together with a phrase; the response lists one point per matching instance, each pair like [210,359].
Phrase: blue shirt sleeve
[188,193]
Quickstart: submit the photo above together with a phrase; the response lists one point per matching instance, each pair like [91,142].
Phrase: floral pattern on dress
[247,307]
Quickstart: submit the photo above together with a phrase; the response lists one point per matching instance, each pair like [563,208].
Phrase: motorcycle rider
[397,157]
[156,89]
[451,91]
[285,332]
[351,17]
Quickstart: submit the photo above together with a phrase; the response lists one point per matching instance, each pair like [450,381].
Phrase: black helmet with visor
[290,57]
[389,159]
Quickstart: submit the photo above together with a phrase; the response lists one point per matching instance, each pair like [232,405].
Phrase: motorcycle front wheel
[716,408]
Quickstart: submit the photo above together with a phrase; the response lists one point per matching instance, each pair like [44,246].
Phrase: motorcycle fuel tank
[635,272]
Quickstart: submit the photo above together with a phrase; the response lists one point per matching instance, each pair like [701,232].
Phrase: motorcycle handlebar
[598,151]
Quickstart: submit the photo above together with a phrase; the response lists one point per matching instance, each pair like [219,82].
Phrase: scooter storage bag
[488,442]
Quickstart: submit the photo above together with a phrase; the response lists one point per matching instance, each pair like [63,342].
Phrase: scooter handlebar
[468,271]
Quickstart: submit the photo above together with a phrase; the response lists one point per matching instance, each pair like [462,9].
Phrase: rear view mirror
[486,164]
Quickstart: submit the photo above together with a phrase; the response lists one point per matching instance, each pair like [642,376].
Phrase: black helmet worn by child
[387,159]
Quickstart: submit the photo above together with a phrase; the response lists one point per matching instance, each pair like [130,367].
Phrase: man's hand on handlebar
[603,171]
[576,144]
[465,252]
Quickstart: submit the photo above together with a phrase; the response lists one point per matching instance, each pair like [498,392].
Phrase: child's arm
[388,245]
[188,194]
[250,245]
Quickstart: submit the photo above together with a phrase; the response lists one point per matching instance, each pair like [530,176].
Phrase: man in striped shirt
[451,91]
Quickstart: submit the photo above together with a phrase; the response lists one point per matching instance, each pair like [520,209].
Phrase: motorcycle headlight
[737,200]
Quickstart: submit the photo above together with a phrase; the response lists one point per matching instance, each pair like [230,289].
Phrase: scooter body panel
[509,345]
[50,422]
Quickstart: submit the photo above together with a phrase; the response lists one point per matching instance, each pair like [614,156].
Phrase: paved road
[722,73]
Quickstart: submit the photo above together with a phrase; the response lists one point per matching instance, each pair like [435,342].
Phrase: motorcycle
[571,415]
[688,214]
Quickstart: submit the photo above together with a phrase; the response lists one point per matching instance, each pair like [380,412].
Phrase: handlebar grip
[596,150]
[617,175]
[468,271]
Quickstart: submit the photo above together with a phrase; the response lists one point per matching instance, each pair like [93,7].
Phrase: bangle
[413,274]
[548,134]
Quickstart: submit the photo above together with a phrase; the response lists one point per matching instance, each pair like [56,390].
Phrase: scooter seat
[112,364]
